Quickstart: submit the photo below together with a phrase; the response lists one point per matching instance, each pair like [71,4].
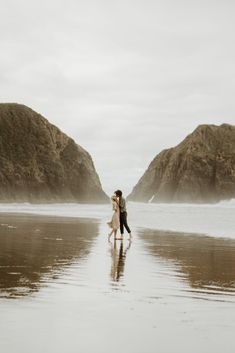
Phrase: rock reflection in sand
[206,263]
[35,249]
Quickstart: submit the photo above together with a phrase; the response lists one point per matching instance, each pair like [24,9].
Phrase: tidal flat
[65,288]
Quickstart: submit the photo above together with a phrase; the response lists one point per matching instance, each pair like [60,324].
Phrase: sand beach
[65,288]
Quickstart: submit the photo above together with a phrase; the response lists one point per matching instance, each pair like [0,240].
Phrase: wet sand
[65,288]
[34,250]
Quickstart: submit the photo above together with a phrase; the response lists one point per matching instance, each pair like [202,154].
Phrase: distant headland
[39,163]
[200,169]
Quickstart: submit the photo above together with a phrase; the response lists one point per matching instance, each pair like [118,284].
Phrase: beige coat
[115,222]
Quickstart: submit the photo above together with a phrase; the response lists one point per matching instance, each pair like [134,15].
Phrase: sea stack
[39,163]
[201,169]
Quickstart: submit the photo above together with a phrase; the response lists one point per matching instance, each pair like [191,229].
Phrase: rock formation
[200,169]
[39,163]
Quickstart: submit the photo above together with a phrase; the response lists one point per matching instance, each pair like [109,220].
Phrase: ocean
[215,220]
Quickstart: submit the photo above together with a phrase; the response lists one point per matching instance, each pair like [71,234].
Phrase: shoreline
[212,221]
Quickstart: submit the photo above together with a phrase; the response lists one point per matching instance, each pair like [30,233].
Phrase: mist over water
[210,219]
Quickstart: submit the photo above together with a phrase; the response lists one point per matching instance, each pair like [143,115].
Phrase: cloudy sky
[125,79]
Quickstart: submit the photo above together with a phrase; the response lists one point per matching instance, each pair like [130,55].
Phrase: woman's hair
[118,193]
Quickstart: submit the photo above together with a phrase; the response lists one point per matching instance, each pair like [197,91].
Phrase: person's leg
[121,224]
[110,234]
[126,224]
[115,234]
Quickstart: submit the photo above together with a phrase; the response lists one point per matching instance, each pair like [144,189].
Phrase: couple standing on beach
[119,218]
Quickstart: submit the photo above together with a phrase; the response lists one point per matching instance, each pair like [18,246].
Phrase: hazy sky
[125,79]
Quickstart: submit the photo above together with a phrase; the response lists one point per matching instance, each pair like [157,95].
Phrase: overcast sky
[125,79]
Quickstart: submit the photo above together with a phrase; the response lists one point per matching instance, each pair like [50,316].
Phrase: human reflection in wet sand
[118,255]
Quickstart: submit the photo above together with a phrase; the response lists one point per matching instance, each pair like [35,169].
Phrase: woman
[115,221]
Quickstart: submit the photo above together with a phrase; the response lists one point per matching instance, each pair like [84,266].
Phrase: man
[123,214]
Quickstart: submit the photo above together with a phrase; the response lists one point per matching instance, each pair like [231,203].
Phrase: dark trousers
[123,222]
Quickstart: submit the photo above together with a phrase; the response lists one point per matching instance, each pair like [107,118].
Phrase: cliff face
[39,163]
[200,169]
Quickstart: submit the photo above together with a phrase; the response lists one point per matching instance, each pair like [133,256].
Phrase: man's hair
[118,193]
